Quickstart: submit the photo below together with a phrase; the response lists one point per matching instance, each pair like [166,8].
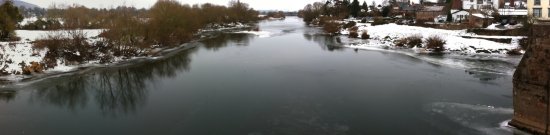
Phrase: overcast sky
[286,5]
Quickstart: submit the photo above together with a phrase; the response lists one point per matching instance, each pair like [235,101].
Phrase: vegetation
[355,8]
[350,24]
[365,35]
[436,43]
[128,31]
[411,41]
[9,18]
[273,14]
[414,41]
[379,21]
[331,27]
[312,11]
[353,34]
[71,49]
[339,9]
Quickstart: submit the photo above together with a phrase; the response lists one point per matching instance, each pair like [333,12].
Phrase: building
[480,20]
[480,4]
[539,9]
[460,15]
[429,13]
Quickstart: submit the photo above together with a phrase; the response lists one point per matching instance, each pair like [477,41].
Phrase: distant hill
[20,3]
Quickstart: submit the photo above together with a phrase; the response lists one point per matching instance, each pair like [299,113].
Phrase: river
[291,82]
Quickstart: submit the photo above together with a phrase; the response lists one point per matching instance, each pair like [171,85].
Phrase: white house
[480,4]
[459,16]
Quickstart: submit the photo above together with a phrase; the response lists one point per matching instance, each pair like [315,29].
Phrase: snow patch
[261,34]
[385,35]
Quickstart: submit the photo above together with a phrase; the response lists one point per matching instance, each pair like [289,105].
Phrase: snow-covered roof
[459,12]
[517,12]
[433,8]
[481,16]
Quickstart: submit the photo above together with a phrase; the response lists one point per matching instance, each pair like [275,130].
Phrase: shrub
[364,20]
[9,17]
[34,67]
[331,27]
[436,43]
[401,42]
[354,28]
[350,24]
[379,21]
[353,34]
[414,41]
[365,35]
[71,47]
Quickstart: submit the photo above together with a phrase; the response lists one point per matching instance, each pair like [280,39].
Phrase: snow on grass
[385,35]
[14,53]
[497,26]
[218,27]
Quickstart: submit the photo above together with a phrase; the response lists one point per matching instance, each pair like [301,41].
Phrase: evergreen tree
[449,17]
[355,8]
[365,6]
[386,11]
[9,17]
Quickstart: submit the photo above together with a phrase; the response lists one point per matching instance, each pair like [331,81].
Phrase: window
[472,1]
[548,12]
[537,2]
[479,1]
[537,12]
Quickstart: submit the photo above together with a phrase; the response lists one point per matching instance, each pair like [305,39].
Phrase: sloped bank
[23,52]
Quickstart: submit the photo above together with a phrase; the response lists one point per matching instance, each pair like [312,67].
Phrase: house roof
[481,16]
[433,8]
[459,11]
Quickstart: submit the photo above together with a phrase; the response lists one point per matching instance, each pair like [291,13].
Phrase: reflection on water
[123,89]
[329,43]
[283,84]
[222,40]
[7,95]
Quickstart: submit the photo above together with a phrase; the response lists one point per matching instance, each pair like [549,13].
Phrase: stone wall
[531,83]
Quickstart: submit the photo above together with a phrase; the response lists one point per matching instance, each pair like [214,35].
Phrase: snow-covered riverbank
[385,36]
[14,54]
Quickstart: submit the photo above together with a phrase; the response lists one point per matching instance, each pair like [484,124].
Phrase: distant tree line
[130,32]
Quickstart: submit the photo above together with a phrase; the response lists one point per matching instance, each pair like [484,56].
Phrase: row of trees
[133,32]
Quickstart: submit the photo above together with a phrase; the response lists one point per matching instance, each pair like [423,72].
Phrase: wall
[467,4]
[427,15]
[531,82]
[544,5]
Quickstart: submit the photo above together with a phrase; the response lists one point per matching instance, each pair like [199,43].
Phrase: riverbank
[15,54]
[387,36]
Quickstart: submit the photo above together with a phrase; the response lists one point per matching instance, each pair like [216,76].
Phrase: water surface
[292,82]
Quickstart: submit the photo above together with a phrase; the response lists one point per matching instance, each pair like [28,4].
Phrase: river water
[293,81]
